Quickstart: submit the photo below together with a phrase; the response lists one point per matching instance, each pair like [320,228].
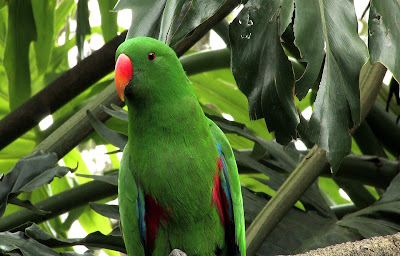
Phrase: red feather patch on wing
[154,214]
[218,195]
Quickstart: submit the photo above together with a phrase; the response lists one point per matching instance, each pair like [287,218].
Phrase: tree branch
[59,92]
[59,204]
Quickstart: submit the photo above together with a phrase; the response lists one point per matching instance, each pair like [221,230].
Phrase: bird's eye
[151,56]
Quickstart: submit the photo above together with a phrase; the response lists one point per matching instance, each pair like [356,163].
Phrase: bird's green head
[146,66]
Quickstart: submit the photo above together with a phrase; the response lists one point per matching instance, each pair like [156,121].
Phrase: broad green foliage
[282,57]
[44,12]
[21,31]
[384,34]
[337,106]
[261,68]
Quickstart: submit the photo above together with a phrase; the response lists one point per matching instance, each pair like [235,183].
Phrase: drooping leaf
[29,174]
[384,34]
[261,68]
[44,12]
[82,26]
[109,211]
[111,179]
[95,239]
[117,113]
[337,106]
[286,14]
[21,243]
[309,40]
[21,31]
[114,138]
[26,204]
[109,25]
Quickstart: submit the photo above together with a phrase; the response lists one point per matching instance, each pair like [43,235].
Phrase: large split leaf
[384,34]
[21,31]
[337,106]
[261,68]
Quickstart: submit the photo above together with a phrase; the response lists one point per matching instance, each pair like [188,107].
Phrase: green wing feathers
[127,196]
[236,192]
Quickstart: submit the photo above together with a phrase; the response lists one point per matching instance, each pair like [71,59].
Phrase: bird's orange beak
[123,74]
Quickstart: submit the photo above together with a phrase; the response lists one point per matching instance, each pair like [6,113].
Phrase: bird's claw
[177,252]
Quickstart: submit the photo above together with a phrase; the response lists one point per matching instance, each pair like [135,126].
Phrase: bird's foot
[177,252]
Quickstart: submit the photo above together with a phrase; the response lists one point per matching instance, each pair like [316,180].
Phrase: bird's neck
[176,118]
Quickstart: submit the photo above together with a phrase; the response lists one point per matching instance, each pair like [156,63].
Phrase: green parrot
[178,182]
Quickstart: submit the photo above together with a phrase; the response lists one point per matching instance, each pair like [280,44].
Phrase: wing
[231,186]
[131,207]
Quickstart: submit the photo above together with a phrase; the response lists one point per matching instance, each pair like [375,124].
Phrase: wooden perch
[377,246]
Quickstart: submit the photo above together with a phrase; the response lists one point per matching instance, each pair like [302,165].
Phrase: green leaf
[27,246]
[309,40]
[43,12]
[109,211]
[95,239]
[2,3]
[194,13]
[21,31]
[261,68]
[29,174]
[111,179]
[337,106]
[172,15]
[117,139]
[82,26]
[384,34]
[63,10]
[286,14]
[109,24]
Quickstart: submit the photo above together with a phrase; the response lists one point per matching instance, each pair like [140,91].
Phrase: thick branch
[59,204]
[59,92]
